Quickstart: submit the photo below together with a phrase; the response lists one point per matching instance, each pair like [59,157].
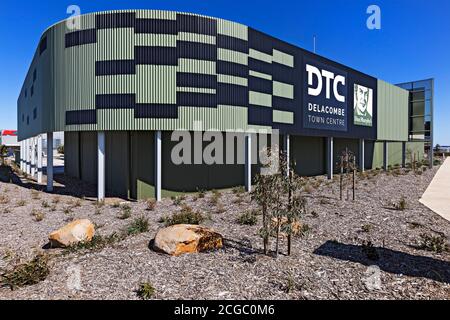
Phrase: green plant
[238,189]
[98,242]
[20,203]
[201,193]
[45,204]
[138,225]
[28,273]
[248,218]
[366,228]
[400,205]
[436,244]
[185,216]
[177,200]
[145,291]
[4,199]
[67,210]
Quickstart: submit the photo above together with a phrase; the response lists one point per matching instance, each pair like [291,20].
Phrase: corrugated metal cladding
[164,70]
[392,112]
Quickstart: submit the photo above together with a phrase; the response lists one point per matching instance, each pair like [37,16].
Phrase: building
[119,83]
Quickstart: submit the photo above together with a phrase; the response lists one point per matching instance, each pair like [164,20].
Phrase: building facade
[120,83]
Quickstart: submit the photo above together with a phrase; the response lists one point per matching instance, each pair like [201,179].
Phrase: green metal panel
[142,165]
[394,153]
[392,112]
[377,161]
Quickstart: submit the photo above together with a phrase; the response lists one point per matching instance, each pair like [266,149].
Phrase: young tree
[347,164]
[3,152]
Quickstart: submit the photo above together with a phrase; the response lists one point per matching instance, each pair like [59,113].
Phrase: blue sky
[413,43]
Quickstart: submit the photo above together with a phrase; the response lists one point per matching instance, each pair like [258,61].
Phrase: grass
[400,205]
[248,218]
[238,190]
[185,216]
[21,203]
[436,244]
[138,225]
[145,291]
[26,274]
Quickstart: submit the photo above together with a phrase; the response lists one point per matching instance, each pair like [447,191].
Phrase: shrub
[436,244]
[98,242]
[178,200]
[238,190]
[138,225]
[126,212]
[38,215]
[185,216]
[151,204]
[366,228]
[400,205]
[21,203]
[145,291]
[4,199]
[248,218]
[28,273]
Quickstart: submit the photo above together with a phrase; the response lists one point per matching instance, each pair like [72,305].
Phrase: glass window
[418,95]
[418,108]
[425,84]
[418,124]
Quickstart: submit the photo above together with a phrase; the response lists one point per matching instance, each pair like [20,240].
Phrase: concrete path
[437,195]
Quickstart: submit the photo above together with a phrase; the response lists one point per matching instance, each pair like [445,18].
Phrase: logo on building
[325,97]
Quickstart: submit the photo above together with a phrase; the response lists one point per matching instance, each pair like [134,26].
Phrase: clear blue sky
[413,44]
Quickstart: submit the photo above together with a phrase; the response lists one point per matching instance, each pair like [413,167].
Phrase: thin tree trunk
[340,181]
[354,168]
[265,238]
[278,236]
[289,216]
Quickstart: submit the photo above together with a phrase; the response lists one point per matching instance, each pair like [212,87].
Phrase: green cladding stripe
[392,112]
[283,117]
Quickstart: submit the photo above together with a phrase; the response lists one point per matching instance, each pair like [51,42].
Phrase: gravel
[328,262]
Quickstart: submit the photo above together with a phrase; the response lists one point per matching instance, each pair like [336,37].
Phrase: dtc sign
[324,97]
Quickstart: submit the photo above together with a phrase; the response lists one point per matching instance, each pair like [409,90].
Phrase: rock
[372,278]
[186,238]
[72,233]
[296,226]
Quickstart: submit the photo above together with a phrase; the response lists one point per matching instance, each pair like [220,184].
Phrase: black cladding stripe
[260,66]
[148,110]
[260,41]
[195,99]
[195,50]
[261,116]
[230,94]
[81,117]
[115,20]
[157,26]
[284,104]
[232,69]
[115,101]
[260,85]
[196,80]
[156,55]
[78,38]
[196,24]
[232,43]
[115,67]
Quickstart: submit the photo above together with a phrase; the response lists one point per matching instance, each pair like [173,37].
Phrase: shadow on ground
[391,261]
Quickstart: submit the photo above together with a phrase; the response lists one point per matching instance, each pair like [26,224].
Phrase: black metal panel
[230,94]
[114,67]
[115,101]
[115,20]
[194,50]
[196,24]
[232,69]
[194,99]
[232,43]
[81,117]
[260,41]
[146,110]
[260,85]
[159,26]
[196,80]
[78,38]
[156,55]
[259,66]
[261,116]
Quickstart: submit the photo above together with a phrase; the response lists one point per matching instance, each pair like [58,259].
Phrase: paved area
[437,195]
